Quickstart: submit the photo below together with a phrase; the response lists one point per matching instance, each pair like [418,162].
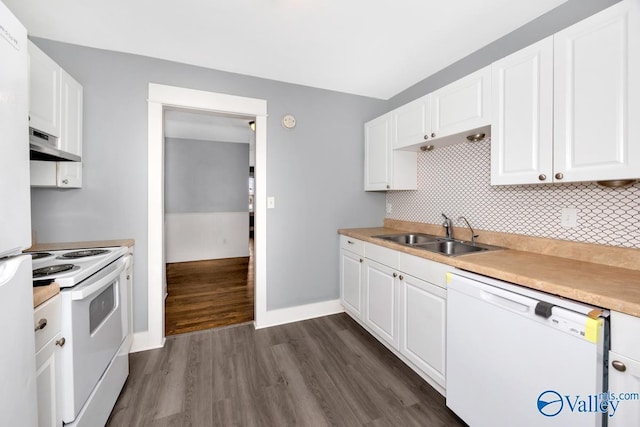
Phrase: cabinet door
[412,123]
[377,151]
[70,173]
[44,94]
[351,294]
[462,105]
[46,383]
[522,112]
[628,411]
[422,325]
[380,301]
[596,82]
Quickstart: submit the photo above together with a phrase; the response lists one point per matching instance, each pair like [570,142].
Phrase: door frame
[160,98]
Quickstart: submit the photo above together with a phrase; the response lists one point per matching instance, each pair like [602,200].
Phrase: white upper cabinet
[44,92]
[446,116]
[564,109]
[462,106]
[597,96]
[412,123]
[56,107]
[384,168]
[522,111]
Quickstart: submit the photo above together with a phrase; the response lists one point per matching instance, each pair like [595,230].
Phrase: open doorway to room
[209,190]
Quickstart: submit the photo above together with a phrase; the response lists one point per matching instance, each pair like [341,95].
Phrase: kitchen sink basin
[411,239]
[437,244]
[452,247]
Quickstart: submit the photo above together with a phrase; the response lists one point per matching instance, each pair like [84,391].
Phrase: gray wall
[205,176]
[561,17]
[315,170]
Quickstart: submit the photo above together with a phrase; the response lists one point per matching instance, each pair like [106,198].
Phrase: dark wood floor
[209,294]
[320,372]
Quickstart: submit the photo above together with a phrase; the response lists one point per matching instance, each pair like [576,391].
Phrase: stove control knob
[61,342]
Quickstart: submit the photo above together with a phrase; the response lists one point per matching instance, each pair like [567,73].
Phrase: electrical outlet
[389,208]
[569,217]
[271,202]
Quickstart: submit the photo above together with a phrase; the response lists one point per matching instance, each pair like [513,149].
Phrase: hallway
[209,294]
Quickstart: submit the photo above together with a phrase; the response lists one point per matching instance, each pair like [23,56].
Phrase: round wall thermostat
[288,121]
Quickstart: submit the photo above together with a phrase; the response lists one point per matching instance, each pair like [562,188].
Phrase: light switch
[569,217]
[271,202]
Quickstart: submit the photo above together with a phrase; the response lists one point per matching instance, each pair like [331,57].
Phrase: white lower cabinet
[49,341]
[422,325]
[402,302]
[624,369]
[381,301]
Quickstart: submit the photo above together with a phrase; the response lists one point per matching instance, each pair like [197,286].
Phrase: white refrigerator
[18,404]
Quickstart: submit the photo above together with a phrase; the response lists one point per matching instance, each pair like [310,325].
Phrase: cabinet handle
[401,277]
[61,342]
[542,177]
[559,176]
[426,137]
[433,135]
[619,365]
[42,323]
[395,274]
[65,181]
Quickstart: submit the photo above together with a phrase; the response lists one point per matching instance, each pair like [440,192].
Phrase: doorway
[208,204]
[160,98]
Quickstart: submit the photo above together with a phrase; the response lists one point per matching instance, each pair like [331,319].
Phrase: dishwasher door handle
[504,302]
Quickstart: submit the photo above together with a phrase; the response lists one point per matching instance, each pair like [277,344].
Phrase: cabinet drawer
[49,313]
[383,255]
[350,244]
[424,269]
[624,335]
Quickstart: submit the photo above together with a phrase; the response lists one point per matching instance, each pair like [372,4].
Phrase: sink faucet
[448,227]
[473,235]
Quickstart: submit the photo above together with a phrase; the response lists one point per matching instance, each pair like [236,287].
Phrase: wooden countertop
[42,247]
[611,287]
[43,293]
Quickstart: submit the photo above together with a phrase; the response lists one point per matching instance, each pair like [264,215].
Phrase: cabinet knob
[360,259]
[559,176]
[350,242]
[42,323]
[619,365]
[426,137]
[65,181]
[129,277]
[388,186]
[433,135]
[401,277]
[542,177]
[395,274]
[61,342]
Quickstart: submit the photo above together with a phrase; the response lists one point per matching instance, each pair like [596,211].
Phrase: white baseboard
[298,313]
[142,341]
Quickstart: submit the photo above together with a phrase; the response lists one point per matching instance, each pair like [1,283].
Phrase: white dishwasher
[521,357]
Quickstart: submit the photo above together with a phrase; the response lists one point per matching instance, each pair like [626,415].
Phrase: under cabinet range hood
[42,146]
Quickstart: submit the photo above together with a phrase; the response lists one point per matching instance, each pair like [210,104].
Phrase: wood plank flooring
[209,294]
[319,372]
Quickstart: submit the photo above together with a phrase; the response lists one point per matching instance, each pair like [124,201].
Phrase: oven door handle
[86,292]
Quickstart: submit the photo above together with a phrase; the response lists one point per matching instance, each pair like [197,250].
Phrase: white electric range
[95,288]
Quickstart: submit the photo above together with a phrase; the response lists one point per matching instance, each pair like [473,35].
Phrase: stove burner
[39,255]
[84,253]
[52,269]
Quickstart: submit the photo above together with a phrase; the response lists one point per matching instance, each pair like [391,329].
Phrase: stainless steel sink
[437,244]
[452,247]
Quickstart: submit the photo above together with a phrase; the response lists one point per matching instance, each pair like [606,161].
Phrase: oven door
[92,326]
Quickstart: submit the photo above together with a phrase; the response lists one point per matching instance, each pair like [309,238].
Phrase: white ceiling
[367,47]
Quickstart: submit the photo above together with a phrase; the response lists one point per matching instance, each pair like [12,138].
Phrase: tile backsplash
[456,180]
